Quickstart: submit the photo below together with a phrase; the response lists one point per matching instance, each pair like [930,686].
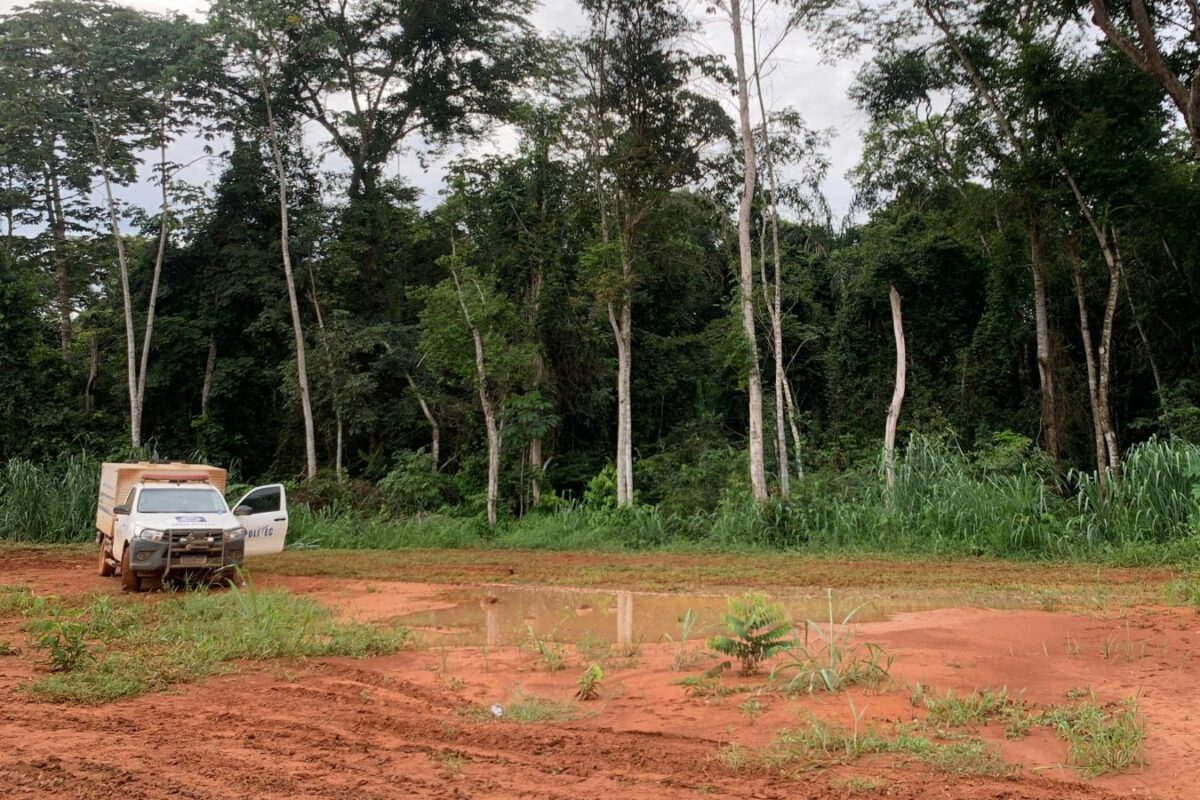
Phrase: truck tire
[129,579]
[106,568]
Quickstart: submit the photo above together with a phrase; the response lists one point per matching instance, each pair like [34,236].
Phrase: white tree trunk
[758,479]
[210,367]
[434,429]
[486,404]
[1089,356]
[893,415]
[621,323]
[135,422]
[310,437]
[1041,325]
[163,230]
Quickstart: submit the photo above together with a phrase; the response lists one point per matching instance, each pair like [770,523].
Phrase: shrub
[756,629]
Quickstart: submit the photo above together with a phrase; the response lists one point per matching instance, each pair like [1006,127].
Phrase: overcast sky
[801,80]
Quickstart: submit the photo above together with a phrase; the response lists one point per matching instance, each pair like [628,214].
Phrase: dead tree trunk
[758,478]
[163,230]
[893,415]
[310,437]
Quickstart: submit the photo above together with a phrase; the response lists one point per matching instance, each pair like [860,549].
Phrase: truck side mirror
[243,511]
[121,509]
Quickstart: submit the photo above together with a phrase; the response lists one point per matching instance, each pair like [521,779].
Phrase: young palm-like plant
[756,629]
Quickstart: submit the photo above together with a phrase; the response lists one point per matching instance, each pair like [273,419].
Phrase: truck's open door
[265,518]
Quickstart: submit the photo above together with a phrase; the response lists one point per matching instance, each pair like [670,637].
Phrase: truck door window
[263,500]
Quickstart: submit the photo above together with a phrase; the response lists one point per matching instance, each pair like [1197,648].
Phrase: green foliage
[51,502]
[589,683]
[1099,741]
[825,659]
[755,631]
[120,648]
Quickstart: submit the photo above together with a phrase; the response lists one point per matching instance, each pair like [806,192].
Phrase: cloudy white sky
[818,90]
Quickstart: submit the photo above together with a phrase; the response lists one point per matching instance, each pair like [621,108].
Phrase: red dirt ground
[394,727]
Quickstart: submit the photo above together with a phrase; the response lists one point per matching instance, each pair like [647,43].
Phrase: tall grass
[944,502]
[54,502]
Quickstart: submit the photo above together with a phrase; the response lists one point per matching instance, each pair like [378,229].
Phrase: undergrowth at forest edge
[944,503]
[108,648]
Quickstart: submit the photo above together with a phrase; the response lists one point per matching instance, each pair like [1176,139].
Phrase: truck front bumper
[149,557]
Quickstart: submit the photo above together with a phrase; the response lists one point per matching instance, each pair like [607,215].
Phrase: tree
[643,129]
[758,478]
[254,35]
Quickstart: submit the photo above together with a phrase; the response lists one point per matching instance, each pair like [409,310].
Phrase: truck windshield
[176,501]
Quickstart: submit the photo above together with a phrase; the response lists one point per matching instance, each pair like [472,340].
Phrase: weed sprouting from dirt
[550,654]
[589,683]
[756,630]
[110,648]
[830,662]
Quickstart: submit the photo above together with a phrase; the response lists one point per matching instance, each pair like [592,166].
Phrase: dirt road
[415,724]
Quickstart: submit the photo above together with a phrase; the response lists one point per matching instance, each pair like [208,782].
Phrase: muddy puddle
[497,616]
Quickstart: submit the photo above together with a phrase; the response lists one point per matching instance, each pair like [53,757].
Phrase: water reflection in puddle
[505,615]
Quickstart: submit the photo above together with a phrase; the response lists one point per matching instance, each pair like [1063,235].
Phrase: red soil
[394,727]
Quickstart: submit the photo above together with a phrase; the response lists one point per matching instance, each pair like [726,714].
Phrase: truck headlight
[235,534]
[149,534]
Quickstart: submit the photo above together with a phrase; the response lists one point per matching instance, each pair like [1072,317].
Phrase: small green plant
[550,655]
[756,629]
[684,657]
[593,648]
[589,683]
[829,661]
[751,708]
[63,640]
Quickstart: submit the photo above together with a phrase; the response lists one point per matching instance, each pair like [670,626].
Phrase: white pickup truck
[155,521]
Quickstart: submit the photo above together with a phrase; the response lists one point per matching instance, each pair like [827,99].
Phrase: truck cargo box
[117,479]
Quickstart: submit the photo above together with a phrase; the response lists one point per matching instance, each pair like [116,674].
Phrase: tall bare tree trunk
[1112,259]
[893,415]
[485,403]
[622,325]
[794,426]
[1137,323]
[310,437]
[1041,324]
[758,477]
[58,230]
[135,422]
[210,368]
[434,429]
[158,264]
[539,373]
[774,302]
[1089,355]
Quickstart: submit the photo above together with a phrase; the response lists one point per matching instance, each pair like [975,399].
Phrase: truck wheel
[106,568]
[129,579]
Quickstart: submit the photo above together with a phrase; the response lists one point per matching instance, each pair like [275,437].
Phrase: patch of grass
[7,649]
[958,711]
[829,662]
[14,600]
[550,655]
[592,647]
[1100,742]
[822,744]
[132,648]
[525,708]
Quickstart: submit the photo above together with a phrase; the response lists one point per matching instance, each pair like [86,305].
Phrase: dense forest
[642,324]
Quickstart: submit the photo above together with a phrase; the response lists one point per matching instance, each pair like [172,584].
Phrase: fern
[756,629]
